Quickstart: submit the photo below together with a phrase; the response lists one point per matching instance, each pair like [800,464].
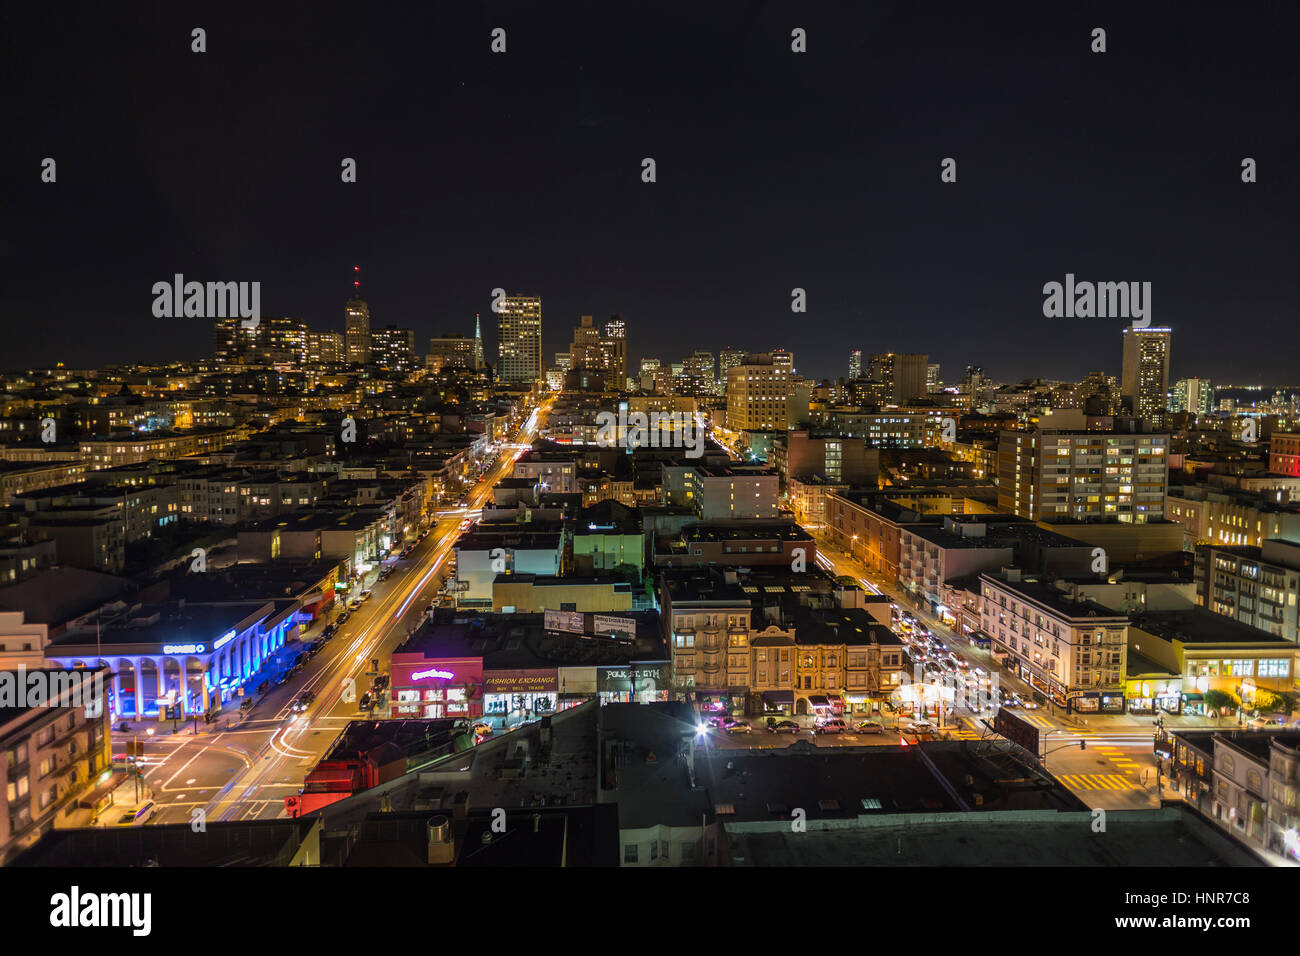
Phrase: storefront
[641,682]
[859,705]
[713,701]
[429,688]
[515,696]
[778,703]
[1147,696]
[1097,702]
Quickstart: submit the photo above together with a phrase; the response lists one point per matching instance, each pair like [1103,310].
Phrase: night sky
[775,170]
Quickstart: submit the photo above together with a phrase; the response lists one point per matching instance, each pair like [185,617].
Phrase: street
[242,769]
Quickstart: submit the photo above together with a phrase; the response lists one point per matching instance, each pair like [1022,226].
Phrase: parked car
[868,727]
[366,702]
[283,679]
[381,682]
[365,595]
[919,727]
[832,726]
[783,727]
[739,727]
[246,705]
[139,816]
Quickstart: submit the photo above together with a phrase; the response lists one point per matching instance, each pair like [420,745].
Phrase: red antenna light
[356,268]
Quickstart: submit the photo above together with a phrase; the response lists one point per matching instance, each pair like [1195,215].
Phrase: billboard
[605,624]
[570,621]
[1016,730]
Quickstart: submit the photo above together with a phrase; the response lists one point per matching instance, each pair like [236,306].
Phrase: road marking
[1098,781]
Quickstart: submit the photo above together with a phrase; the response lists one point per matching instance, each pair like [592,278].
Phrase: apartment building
[53,757]
[931,556]
[1256,586]
[1052,474]
[1284,454]
[1223,516]
[758,394]
[1073,652]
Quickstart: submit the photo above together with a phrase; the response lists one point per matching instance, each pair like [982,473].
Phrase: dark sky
[775,170]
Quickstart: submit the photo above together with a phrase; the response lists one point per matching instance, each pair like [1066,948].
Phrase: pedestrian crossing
[1098,781]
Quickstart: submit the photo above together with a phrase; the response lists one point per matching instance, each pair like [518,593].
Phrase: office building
[902,374]
[855,364]
[324,348]
[393,349]
[451,351]
[357,329]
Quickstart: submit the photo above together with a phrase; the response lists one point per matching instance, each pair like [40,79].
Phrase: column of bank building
[192,656]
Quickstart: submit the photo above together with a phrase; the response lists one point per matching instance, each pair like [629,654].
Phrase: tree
[1218,701]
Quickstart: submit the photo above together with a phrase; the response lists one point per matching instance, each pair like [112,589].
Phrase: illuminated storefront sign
[432,672]
[183,648]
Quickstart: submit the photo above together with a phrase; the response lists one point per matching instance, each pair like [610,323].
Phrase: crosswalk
[1098,781]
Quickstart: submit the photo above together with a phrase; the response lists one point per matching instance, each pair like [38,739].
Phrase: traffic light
[1083,744]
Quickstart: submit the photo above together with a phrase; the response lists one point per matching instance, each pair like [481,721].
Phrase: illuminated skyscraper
[519,339]
[1144,381]
[356,326]
[855,364]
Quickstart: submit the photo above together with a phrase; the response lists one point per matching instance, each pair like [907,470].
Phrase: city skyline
[889,255]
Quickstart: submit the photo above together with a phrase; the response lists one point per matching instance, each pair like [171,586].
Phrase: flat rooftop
[1048,595]
[1173,837]
[1197,625]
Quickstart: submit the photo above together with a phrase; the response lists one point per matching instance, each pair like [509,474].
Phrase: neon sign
[223,641]
[183,649]
[432,672]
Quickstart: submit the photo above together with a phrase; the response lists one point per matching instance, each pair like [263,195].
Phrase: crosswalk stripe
[1098,781]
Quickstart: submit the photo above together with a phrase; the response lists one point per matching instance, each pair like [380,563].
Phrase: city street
[1116,771]
[244,768]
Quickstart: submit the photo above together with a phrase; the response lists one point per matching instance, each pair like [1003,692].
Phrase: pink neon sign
[432,672]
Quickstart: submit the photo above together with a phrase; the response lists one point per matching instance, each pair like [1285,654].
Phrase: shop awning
[91,797]
[779,698]
[817,700]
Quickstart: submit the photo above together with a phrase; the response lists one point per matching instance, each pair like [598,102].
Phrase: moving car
[832,726]
[868,727]
[139,816]
[783,727]
[305,700]
[1266,723]
[739,727]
